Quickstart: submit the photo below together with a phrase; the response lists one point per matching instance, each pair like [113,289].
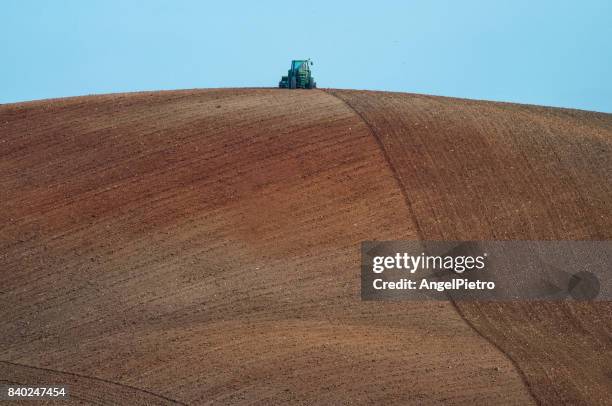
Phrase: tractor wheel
[311,84]
[292,83]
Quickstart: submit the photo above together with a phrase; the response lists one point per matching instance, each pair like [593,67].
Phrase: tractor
[299,76]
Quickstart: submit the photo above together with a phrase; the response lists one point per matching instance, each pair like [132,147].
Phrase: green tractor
[299,76]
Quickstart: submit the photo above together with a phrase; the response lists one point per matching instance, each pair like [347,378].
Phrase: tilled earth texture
[202,247]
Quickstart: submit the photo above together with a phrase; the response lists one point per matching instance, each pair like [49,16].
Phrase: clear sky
[547,52]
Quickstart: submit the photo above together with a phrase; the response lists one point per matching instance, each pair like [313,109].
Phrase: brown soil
[202,246]
[496,171]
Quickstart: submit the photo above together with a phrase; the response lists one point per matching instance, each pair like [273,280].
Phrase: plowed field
[496,171]
[202,247]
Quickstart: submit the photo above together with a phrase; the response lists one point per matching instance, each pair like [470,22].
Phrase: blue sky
[555,53]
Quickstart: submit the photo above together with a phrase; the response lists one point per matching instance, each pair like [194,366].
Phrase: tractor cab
[297,65]
[299,76]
